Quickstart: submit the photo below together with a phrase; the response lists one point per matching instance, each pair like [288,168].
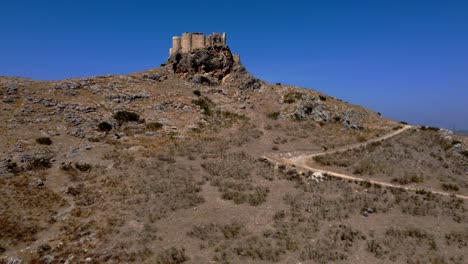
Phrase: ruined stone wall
[198,41]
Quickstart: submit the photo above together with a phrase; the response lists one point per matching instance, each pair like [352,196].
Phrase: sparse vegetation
[154,126]
[407,179]
[172,255]
[126,116]
[204,187]
[292,97]
[429,128]
[104,126]
[465,153]
[450,187]
[273,115]
[44,141]
[197,92]
[39,164]
[205,104]
[85,167]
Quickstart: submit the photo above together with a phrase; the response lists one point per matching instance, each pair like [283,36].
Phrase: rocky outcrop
[215,62]
[353,119]
[311,108]
[213,66]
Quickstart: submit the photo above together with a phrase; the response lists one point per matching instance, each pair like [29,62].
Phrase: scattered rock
[311,108]
[67,85]
[353,119]
[153,76]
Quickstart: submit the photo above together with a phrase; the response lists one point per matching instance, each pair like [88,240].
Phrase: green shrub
[292,97]
[104,126]
[205,104]
[44,141]
[126,116]
[197,92]
[154,126]
[273,115]
[403,122]
[455,142]
[323,98]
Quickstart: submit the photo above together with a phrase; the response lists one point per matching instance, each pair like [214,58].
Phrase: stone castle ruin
[193,41]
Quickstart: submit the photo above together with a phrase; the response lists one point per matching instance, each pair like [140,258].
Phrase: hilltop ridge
[166,166]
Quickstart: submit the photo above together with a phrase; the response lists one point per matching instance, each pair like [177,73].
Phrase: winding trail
[300,162]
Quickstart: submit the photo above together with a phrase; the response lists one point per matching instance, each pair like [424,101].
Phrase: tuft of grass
[172,255]
[273,115]
[292,97]
[126,116]
[104,126]
[44,141]
[154,126]
[205,104]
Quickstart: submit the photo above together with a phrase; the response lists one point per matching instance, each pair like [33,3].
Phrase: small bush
[465,153]
[455,142]
[172,255]
[85,167]
[44,141]
[408,179]
[104,126]
[13,167]
[205,104]
[403,122]
[197,92]
[278,83]
[154,126]
[40,163]
[323,98]
[429,128]
[450,187]
[292,97]
[273,115]
[126,116]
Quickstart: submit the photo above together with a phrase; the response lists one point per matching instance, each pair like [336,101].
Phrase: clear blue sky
[405,59]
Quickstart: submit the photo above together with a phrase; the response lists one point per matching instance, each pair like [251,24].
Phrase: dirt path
[300,162]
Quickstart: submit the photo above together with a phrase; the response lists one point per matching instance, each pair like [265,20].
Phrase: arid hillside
[166,166]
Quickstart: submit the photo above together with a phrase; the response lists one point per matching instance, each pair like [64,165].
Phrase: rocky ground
[163,166]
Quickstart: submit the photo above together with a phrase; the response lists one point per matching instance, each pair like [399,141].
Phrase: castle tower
[186,42]
[198,41]
[176,45]
[223,38]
